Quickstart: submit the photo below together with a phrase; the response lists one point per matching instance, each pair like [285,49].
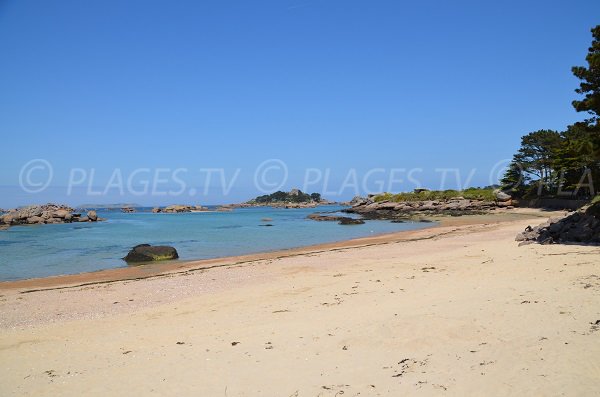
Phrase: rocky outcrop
[92,216]
[393,210]
[503,200]
[582,226]
[179,208]
[294,205]
[356,200]
[128,209]
[342,220]
[350,221]
[149,253]
[45,214]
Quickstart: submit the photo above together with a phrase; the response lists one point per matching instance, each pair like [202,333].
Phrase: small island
[295,198]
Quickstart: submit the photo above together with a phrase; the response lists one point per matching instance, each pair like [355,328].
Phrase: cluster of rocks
[179,208]
[149,253]
[392,210]
[294,205]
[45,214]
[279,204]
[128,209]
[342,220]
[582,226]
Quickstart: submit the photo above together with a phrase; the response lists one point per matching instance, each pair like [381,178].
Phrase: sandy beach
[457,309]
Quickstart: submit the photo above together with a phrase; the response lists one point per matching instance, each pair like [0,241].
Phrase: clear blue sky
[318,84]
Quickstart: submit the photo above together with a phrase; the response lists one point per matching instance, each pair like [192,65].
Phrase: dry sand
[453,310]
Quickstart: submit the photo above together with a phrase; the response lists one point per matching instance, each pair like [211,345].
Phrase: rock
[34,220]
[342,220]
[505,204]
[386,205]
[11,218]
[350,221]
[178,208]
[83,219]
[60,214]
[356,200]
[93,217]
[502,196]
[38,214]
[582,226]
[456,206]
[428,205]
[149,253]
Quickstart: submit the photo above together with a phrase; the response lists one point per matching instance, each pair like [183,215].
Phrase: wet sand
[457,309]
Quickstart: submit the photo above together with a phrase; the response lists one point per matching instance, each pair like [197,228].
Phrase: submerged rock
[342,220]
[350,221]
[149,253]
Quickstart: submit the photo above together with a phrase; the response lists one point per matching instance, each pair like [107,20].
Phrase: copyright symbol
[36,175]
[270,175]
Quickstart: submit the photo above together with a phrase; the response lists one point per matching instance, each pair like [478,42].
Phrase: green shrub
[472,193]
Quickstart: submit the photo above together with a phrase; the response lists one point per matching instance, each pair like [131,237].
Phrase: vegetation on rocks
[294,196]
[485,194]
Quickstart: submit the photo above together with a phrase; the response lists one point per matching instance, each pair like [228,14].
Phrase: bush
[472,193]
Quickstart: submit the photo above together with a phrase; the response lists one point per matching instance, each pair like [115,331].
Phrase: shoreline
[133,273]
[454,309]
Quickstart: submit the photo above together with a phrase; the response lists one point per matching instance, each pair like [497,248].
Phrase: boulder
[357,200]
[60,214]
[582,226]
[502,196]
[149,253]
[34,220]
[92,216]
[11,218]
[505,204]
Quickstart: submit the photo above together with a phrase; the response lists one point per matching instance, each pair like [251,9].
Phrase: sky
[139,101]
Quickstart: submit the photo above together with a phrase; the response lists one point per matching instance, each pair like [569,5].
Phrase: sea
[71,248]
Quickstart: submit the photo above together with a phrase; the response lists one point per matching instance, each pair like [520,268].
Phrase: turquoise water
[47,250]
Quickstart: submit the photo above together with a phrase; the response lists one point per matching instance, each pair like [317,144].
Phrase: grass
[470,193]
